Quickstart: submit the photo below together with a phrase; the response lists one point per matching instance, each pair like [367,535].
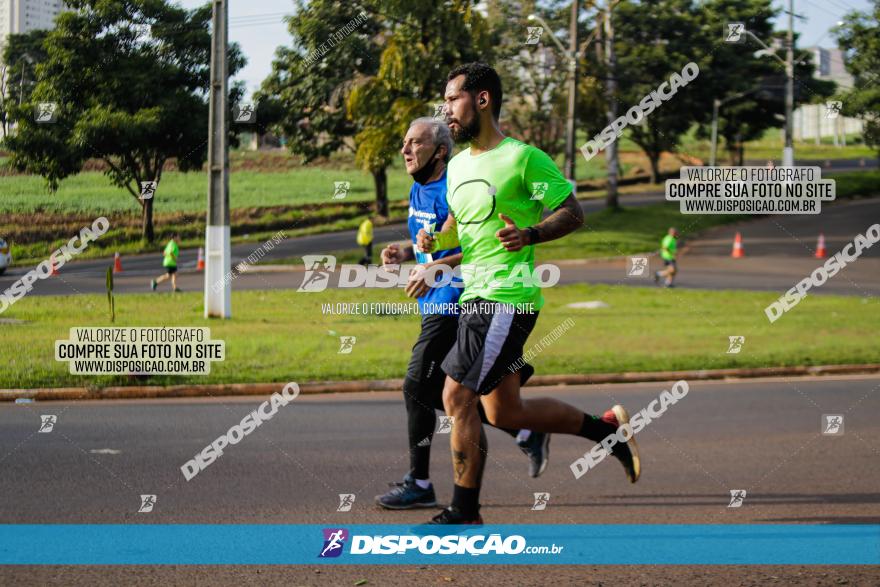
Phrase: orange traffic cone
[117,263]
[200,265]
[737,247]
[54,265]
[820,247]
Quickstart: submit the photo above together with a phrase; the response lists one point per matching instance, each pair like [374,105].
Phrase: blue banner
[276,544]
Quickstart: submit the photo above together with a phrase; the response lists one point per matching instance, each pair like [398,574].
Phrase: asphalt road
[760,435]
[779,252]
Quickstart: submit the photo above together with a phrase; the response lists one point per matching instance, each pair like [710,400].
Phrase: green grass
[863,183]
[283,335]
[627,231]
[186,192]
[92,192]
[770,147]
[286,183]
[127,242]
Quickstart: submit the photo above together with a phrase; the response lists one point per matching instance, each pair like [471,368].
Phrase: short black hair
[480,77]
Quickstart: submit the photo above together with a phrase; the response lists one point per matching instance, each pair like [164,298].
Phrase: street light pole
[24,58]
[716,104]
[788,151]
[611,108]
[572,95]
[218,302]
[571,58]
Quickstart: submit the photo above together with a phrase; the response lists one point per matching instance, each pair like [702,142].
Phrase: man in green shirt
[668,249]
[497,191]
[169,262]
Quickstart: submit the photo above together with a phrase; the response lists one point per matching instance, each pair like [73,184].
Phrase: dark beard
[466,134]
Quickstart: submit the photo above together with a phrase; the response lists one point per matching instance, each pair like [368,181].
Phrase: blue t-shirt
[428,210]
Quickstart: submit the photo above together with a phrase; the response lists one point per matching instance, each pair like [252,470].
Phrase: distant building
[830,66]
[815,121]
[22,16]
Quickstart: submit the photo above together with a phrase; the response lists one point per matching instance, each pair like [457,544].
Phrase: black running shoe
[407,496]
[537,448]
[453,516]
[627,452]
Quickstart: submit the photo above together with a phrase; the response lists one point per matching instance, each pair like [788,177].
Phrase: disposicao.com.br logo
[456,544]
[319,269]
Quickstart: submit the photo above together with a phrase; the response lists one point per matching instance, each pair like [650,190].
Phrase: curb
[245,389]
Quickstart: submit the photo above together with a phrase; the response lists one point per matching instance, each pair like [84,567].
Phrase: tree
[534,74]
[129,80]
[359,72]
[655,39]
[733,69]
[421,44]
[305,95]
[859,37]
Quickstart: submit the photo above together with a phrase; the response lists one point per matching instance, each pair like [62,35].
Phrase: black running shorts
[489,345]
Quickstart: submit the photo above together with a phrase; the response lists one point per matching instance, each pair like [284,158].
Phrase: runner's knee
[457,398]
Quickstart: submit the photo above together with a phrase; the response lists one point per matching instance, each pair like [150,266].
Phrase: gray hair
[439,133]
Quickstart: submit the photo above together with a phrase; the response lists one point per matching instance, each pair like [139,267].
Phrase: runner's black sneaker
[453,516]
[627,453]
[407,496]
[537,448]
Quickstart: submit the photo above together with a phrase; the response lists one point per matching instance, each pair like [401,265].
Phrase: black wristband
[533,235]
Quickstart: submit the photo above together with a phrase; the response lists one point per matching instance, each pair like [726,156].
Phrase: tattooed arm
[567,218]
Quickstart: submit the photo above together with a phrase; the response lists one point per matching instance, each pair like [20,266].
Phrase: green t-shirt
[667,248]
[171,252]
[514,179]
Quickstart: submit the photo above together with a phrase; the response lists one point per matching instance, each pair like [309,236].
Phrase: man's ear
[483,99]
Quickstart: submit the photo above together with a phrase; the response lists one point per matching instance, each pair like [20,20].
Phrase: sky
[257,26]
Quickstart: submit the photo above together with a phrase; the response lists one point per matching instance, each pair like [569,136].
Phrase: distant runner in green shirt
[169,262]
[497,191]
[668,249]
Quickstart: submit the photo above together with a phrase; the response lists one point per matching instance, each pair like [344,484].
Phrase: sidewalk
[262,389]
